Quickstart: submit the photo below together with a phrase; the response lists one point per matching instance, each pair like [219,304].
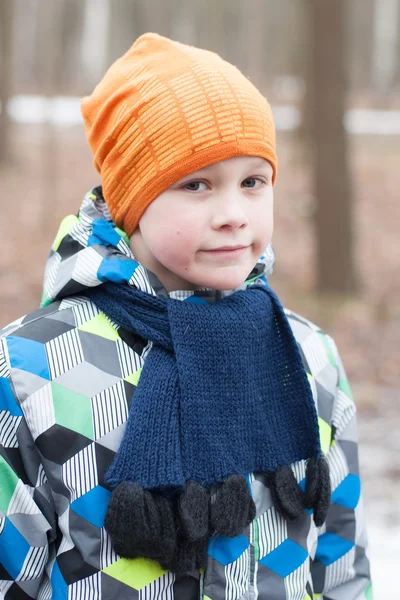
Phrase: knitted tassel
[148,524]
[318,488]
[189,557]
[141,523]
[175,530]
[311,483]
[194,511]
[233,508]
[286,494]
[290,501]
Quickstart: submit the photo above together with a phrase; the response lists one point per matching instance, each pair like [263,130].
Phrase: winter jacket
[67,378]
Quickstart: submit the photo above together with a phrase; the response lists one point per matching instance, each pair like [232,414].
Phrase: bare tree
[212,31]
[385,45]
[126,23]
[6,22]
[71,28]
[158,16]
[253,26]
[360,25]
[335,266]
[95,25]
[49,53]
[186,20]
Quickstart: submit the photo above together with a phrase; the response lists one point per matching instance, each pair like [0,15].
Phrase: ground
[52,169]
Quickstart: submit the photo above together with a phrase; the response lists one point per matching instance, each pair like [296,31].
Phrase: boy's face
[228,203]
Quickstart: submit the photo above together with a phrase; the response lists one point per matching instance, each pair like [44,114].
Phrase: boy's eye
[191,186]
[252,179]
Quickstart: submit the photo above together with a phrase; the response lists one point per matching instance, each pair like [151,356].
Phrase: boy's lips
[238,247]
[221,248]
[227,251]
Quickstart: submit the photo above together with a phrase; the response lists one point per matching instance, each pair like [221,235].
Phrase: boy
[159,430]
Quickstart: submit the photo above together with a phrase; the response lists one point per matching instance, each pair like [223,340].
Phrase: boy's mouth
[238,247]
[227,250]
[235,247]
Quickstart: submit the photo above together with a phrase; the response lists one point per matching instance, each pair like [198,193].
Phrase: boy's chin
[219,280]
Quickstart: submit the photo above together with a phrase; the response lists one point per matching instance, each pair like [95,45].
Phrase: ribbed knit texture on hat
[165,110]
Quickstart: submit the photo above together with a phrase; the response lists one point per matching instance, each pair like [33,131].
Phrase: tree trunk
[302,66]
[184,21]
[6,21]
[385,45]
[335,267]
[212,25]
[50,53]
[158,16]
[126,21]
[254,26]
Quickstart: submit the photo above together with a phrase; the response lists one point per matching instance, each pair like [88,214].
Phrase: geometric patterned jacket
[67,378]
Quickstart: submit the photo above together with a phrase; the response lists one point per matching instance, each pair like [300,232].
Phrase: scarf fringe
[233,508]
[174,529]
[318,488]
[286,494]
[290,500]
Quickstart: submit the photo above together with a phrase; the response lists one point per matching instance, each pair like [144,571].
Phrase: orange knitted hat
[165,110]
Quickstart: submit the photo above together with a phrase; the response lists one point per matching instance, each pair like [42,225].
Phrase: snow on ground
[380,475]
[384,554]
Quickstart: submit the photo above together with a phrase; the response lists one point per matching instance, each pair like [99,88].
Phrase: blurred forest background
[331,70]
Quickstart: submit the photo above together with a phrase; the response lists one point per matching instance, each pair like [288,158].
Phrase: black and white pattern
[273,531]
[34,563]
[80,472]
[108,556]
[8,429]
[86,589]
[39,410]
[51,272]
[160,589]
[130,361]
[237,576]
[86,267]
[110,409]
[340,571]
[64,352]
[294,583]
[21,501]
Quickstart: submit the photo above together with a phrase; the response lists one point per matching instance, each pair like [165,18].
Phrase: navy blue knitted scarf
[223,393]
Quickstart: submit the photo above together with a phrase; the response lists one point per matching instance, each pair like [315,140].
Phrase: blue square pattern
[103,234]
[331,547]
[13,549]
[93,505]
[226,550]
[196,299]
[118,270]
[28,355]
[348,492]
[286,558]
[58,584]
[7,400]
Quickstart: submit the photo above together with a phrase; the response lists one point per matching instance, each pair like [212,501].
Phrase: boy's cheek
[265,225]
[173,248]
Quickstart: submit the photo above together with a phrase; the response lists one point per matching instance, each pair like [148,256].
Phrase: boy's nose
[230,212]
